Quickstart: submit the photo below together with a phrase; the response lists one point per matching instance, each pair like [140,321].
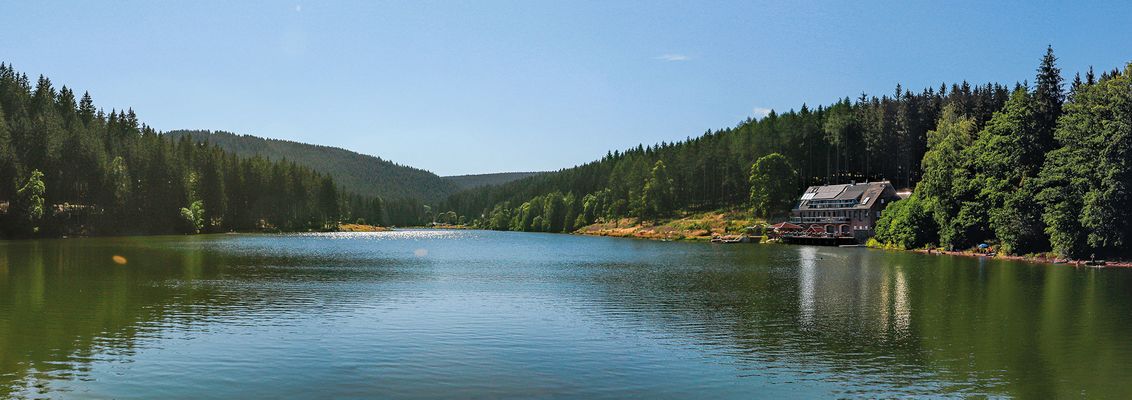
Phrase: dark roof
[862,195]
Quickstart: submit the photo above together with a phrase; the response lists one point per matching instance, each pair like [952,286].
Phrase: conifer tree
[1048,98]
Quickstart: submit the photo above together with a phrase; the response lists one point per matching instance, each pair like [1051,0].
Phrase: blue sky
[461,87]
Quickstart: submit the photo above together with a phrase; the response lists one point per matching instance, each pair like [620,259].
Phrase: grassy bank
[361,228]
[699,226]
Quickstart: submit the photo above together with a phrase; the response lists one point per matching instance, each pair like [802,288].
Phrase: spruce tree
[1048,98]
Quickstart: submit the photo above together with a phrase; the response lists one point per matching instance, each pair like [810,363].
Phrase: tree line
[1051,171]
[363,174]
[67,167]
[869,138]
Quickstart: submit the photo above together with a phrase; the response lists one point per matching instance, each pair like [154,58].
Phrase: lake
[479,314]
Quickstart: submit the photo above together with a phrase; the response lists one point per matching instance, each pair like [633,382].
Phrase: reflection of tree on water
[907,322]
[65,305]
[867,320]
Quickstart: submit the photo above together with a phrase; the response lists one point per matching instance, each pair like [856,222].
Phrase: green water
[471,314]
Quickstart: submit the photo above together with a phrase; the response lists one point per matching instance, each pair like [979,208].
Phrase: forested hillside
[355,172]
[465,182]
[1050,172]
[1025,169]
[68,167]
[866,138]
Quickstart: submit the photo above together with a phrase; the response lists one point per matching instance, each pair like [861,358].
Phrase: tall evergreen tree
[1049,96]
[8,166]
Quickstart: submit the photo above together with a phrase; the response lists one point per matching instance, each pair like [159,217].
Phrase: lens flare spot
[119,259]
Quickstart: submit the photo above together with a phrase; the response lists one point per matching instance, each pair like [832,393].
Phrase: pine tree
[1048,99]
[8,166]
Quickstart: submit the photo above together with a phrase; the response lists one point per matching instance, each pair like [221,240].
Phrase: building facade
[848,210]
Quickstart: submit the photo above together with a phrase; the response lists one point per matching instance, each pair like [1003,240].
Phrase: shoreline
[361,228]
[341,228]
[672,231]
[1034,260]
[699,227]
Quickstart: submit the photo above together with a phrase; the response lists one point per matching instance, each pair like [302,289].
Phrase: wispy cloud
[672,57]
[761,112]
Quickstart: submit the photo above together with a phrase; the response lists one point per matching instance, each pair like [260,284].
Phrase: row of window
[833,204]
[858,214]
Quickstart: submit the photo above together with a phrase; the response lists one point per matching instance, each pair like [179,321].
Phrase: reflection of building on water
[895,313]
[806,258]
[901,310]
[841,290]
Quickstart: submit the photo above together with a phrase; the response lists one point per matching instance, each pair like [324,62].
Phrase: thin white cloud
[298,7]
[761,112]
[672,57]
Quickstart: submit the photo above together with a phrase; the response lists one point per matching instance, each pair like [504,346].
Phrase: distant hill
[465,182]
[354,172]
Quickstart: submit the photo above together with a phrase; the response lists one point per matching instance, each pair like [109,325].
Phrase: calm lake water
[459,314]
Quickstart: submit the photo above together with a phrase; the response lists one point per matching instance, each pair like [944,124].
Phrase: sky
[462,87]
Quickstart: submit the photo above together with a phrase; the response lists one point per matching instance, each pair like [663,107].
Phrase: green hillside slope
[355,172]
[465,182]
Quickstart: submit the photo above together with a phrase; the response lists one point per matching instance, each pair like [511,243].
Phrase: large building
[849,210]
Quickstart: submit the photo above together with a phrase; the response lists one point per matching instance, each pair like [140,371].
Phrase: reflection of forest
[871,321]
[924,324]
[64,304]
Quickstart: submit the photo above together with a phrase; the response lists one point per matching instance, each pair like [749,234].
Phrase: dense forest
[466,182]
[1051,171]
[868,138]
[1027,168]
[67,167]
[355,172]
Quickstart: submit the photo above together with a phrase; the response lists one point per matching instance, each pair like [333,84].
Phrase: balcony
[819,220]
